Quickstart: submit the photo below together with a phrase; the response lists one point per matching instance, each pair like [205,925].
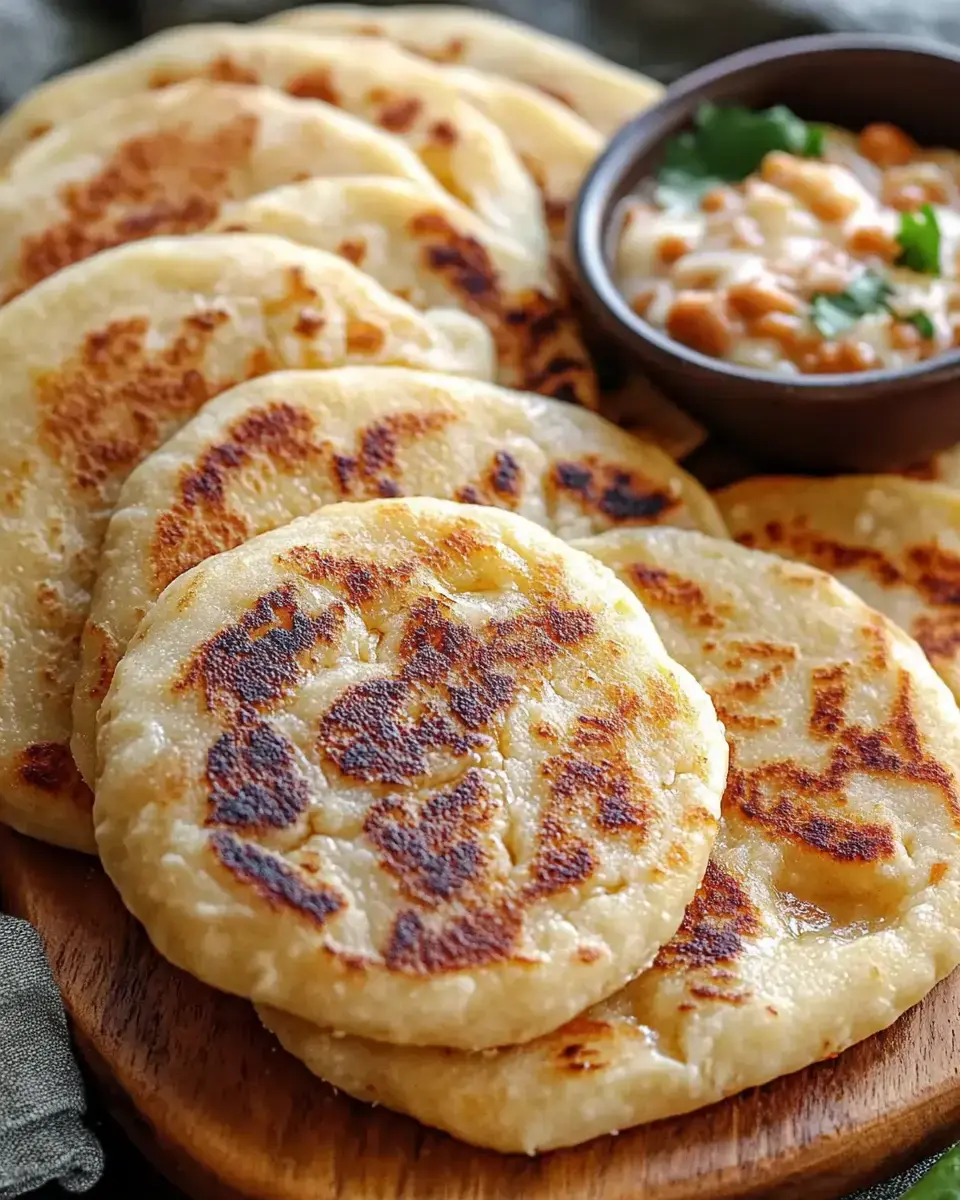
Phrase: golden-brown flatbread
[894,541]
[832,900]
[167,162]
[278,447]
[99,365]
[411,768]
[602,93]
[408,98]
[555,145]
[433,252]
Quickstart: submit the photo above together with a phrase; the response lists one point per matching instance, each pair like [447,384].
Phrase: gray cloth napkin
[42,1136]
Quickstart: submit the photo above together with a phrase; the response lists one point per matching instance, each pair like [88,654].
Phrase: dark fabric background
[665,38]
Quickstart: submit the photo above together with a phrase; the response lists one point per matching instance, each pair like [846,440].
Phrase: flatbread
[468,154]
[602,93]
[832,899]
[278,447]
[555,145]
[409,768]
[100,364]
[433,252]
[166,162]
[895,542]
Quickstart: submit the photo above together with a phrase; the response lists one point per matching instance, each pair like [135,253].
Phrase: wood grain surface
[211,1099]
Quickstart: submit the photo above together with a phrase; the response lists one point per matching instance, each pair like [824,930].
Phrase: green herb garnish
[921,322]
[919,239]
[834,313]
[727,144]
[813,146]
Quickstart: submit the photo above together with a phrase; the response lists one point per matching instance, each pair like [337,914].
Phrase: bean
[755,299]
[827,190]
[886,145]
[697,320]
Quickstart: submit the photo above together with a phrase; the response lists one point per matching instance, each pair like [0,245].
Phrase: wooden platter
[224,1113]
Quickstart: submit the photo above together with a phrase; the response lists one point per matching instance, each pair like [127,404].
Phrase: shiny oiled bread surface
[832,900]
[413,772]
[409,768]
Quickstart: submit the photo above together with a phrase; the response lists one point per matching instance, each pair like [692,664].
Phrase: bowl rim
[591,222]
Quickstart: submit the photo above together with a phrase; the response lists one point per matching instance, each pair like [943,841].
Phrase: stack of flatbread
[399,690]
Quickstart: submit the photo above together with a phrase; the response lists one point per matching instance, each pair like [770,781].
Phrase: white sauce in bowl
[735,278]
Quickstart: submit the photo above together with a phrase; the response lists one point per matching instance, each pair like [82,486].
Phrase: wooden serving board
[210,1098]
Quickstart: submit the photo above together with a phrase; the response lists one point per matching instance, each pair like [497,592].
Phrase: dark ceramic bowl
[870,421]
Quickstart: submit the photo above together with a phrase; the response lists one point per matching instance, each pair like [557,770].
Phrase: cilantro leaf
[728,143]
[830,316]
[869,292]
[834,313]
[814,145]
[683,188]
[921,322]
[919,239]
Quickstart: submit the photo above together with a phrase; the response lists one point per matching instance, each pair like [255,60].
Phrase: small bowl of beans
[777,245]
